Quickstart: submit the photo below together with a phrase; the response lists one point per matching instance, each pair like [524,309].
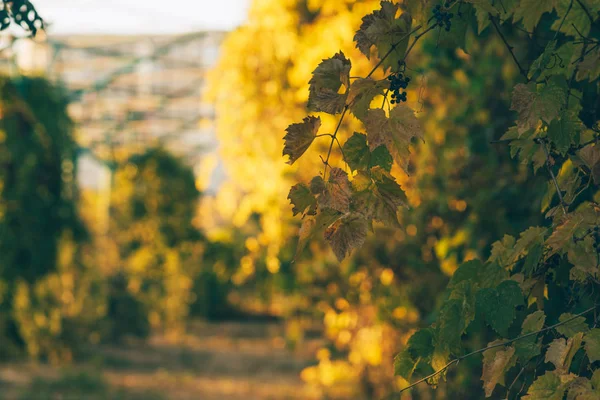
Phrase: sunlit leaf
[299,137]
[302,199]
[560,352]
[496,362]
[395,132]
[335,193]
[362,92]
[348,233]
[530,12]
[549,386]
[386,32]
[325,83]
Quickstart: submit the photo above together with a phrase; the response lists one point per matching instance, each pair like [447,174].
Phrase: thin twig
[493,346]
[509,47]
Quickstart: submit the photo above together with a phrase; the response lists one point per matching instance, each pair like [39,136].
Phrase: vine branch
[509,47]
[459,359]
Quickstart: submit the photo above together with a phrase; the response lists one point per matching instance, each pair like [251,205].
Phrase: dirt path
[227,361]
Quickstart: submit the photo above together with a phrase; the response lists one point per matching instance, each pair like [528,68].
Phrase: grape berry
[442,16]
[398,81]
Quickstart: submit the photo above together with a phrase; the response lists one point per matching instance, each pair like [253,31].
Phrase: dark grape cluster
[398,81]
[442,16]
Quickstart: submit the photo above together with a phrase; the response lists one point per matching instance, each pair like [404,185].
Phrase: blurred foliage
[81,385]
[48,302]
[152,207]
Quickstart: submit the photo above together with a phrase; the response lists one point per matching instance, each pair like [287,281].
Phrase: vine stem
[458,359]
[509,47]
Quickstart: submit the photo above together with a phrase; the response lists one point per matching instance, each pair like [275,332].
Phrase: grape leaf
[563,130]
[542,62]
[313,224]
[362,92]
[530,11]
[359,157]
[394,132]
[420,344]
[450,327]
[592,345]
[561,352]
[405,365]
[335,193]
[589,67]
[533,259]
[346,234]
[549,386]
[497,305]
[302,200]
[299,137]
[386,32]
[573,327]
[379,196]
[524,145]
[356,151]
[584,217]
[530,347]
[532,103]
[483,9]
[585,389]
[325,83]
[590,155]
[496,362]
[576,17]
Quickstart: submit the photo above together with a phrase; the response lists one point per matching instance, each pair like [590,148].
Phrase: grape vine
[535,295]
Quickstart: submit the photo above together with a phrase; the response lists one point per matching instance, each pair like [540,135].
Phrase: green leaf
[420,344]
[592,345]
[356,151]
[335,193]
[542,62]
[549,386]
[359,157]
[302,200]
[450,326]
[564,130]
[573,327]
[496,362]
[537,103]
[381,157]
[299,137]
[362,92]
[346,234]
[395,132]
[576,17]
[386,32]
[530,11]
[327,79]
[498,305]
[405,365]
[560,352]
[530,347]
[533,259]
[502,250]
